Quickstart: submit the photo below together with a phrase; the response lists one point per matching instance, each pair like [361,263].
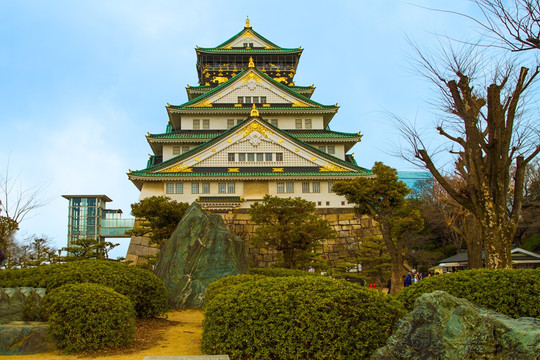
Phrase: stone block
[344,222]
[346,216]
[331,217]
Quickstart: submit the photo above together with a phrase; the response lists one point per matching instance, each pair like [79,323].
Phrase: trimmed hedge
[146,291]
[515,293]
[298,318]
[89,317]
[279,272]
[225,283]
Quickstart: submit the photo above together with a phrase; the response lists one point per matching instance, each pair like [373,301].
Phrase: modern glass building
[88,218]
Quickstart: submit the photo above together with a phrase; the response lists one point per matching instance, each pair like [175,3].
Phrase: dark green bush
[310,317]
[279,272]
[515,293]
[145,290]
[89,317]
[225,283]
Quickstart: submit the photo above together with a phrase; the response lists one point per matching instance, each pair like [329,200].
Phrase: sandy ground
[181,338]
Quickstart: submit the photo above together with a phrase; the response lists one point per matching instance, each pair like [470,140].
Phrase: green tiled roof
[260,73]
[207,144]
[219,198]
[269,174]
[187,134]
[249,51]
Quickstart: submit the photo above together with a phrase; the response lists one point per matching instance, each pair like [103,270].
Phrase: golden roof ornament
[248,26]
[254,111]
[251,63]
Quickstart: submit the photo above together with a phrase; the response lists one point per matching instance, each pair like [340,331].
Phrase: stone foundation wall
[350,227]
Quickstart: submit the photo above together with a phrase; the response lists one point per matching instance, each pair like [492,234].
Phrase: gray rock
[200,251]
[22,338]
[442,326]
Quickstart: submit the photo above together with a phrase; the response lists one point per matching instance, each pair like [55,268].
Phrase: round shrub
[146,291]
[515,293]
[89,317]
[310,317]
[279,272]
[224,283]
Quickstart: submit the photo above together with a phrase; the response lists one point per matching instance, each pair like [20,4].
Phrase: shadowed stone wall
[350,227]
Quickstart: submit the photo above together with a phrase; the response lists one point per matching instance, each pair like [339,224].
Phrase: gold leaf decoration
[331,168]
[178,168]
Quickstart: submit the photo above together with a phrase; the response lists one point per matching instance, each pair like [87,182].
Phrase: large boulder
[200,251]
[23,338]
[442,326]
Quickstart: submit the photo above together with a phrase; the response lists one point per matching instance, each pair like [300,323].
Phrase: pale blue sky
[82,82]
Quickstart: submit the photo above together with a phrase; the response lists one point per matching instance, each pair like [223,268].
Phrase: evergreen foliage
[144,289]
[515,293]
[88,317]
[291,227]
[309,317]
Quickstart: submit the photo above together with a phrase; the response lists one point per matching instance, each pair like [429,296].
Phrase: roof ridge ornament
[251,63]
[248,26]
[254,111]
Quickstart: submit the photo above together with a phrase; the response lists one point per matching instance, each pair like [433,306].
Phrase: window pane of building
[176,150]
[263,99]
[274,122]
[316,187]
[279,156]
[206,188]
[331,149]
[231,156]
[242,157]
[185,148]
[298,123]
[179,188]
[248,99]
[322,148]
[251,157]
[307,122]
[196,124]
[195,188]
[305,187]
[268,156]
[231,188]
[260,157]
[330,184]
[290,187]
[230,123]
[222,188]
[169,188]
[256,99]
[206,124]
[240,99]
[280,187]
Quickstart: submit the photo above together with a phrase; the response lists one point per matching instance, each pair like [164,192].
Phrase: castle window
[280,187]
[185,148]
[196,124]
[174,188]
[279,156]
[322,148]
[231,156]
[307,123]
[285,187]
[202,188]
[194,188]
[248,99]
[330,184]
[268,156]
[206,124]
[289,187]
[305,187]
[169,189]
[206,188]
[179,188]
[240,99]
[176,150]
[242,157]
[260,157]
[230,123]
[316,187]
[222,188]
[331,149]
[263,99]
[250,157]
[274,122]
[256,99]
[328,203]
[298,123]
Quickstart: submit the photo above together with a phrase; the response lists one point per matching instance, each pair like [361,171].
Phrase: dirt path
[179,335]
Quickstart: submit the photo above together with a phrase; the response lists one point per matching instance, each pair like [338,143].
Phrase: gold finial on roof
[248,26]
[251,63]
[254,111]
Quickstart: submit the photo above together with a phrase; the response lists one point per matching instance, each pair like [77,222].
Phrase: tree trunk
[498,248]
[474,253]
[397,274]
[288,255]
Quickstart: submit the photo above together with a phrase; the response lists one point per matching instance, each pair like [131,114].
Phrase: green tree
[291,227]
[158,216]
[375,259]
[383,198]
[81,249]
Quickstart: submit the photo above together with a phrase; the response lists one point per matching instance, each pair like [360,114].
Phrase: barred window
[222,188]
[169,189]
[330,184]
[268,156]
[206,124]
[280,187]
[307,123]
[263,99]
[231,156]
[179,188]
[260,157]
[331,149]
[305,187]
[279,156]
[230,123]
[316,187]
[298,123]
[176,149]
[196,124]
[206,188]
[185,148]
[289,187]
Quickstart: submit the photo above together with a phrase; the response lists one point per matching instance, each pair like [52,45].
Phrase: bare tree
[488,139]
[515,23]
